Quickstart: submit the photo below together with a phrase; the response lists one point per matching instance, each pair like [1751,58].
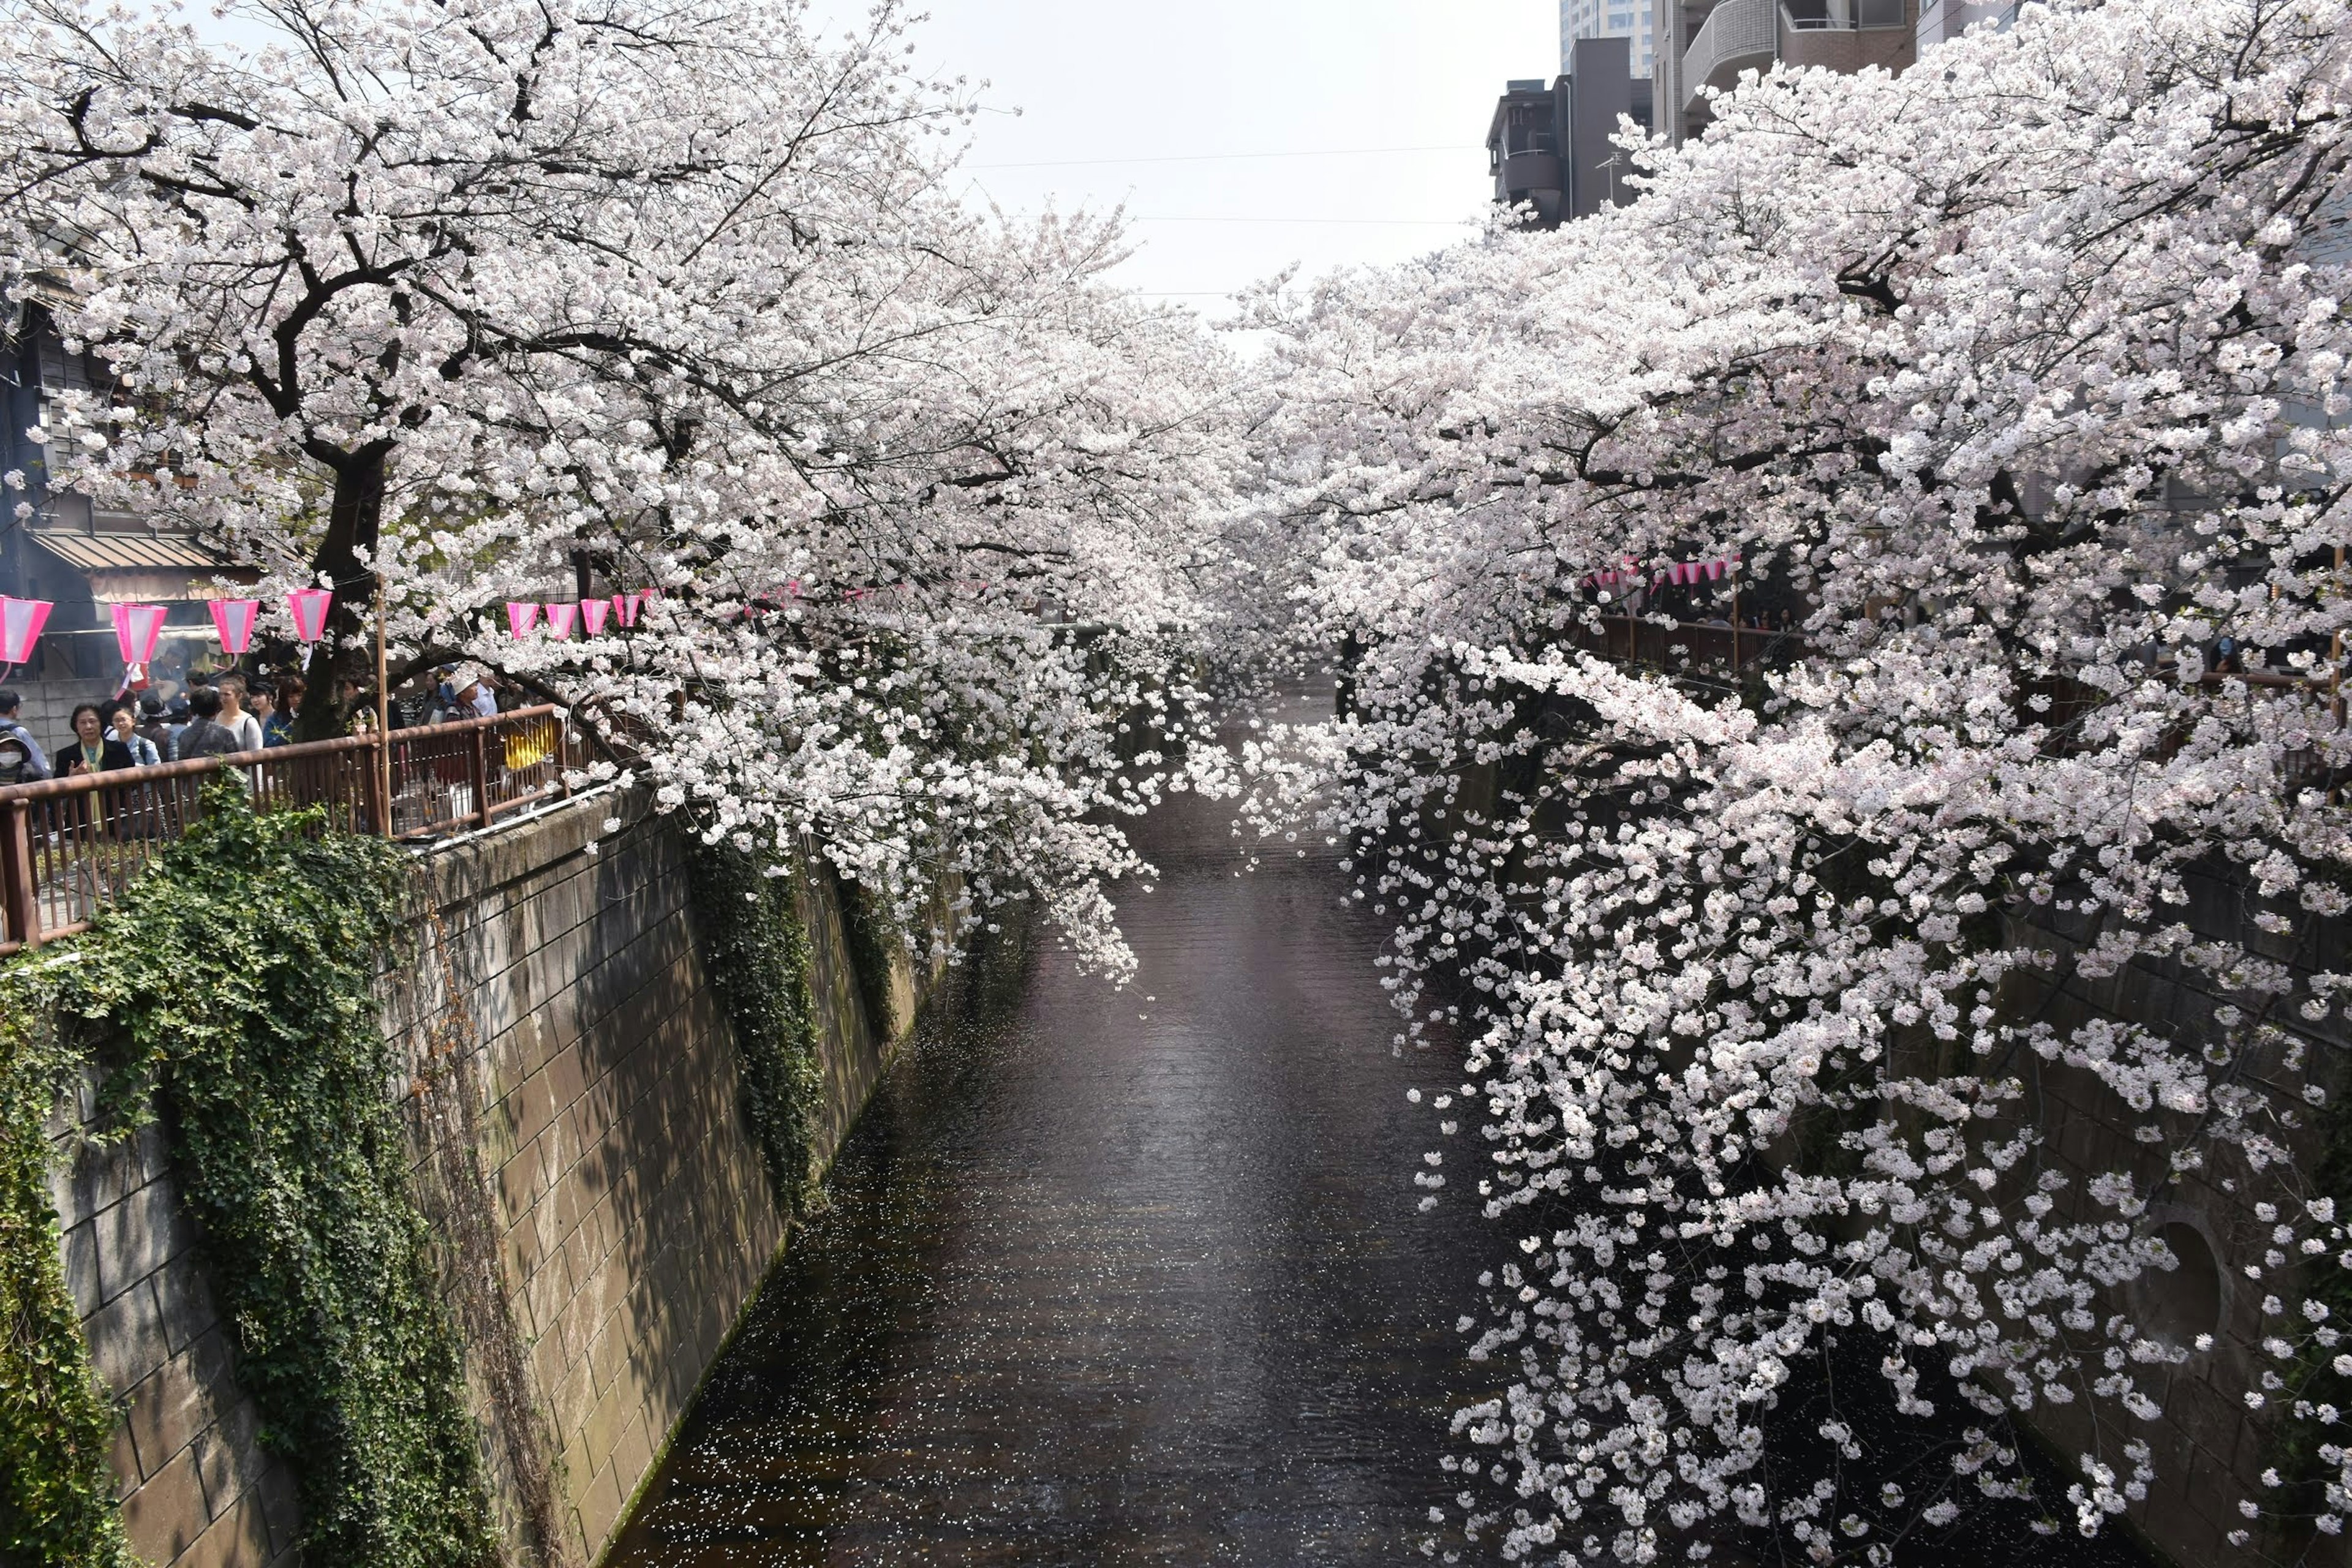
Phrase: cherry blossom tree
[498,302]
[2016,383]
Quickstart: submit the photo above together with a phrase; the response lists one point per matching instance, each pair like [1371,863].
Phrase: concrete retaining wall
[2210,1450]
[582,1154]
[196,1487]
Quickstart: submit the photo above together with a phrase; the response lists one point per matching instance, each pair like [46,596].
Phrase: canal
[1109,1275]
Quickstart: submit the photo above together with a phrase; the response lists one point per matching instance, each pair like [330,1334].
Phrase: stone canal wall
[2208,1448]
[197,1487]
[582,1154]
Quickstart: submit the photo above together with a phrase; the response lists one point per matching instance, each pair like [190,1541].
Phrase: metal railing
[69,845]
[1639,640]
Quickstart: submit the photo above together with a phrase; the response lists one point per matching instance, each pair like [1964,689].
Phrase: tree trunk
[354,518]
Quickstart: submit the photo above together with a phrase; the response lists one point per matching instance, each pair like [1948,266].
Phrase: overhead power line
[1229,157]
[1390,222]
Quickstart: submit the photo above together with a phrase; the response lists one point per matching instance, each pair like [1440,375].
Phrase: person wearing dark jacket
[154,727]
[205,736]
[93,751]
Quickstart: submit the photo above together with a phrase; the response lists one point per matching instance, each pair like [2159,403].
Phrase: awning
[126,551]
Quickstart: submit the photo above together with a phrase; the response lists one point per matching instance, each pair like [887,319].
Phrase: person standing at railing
[143,751]
[35,763]
[206,736]
[261,701]
[473,696]
[136,806]
[278,727]
[92,750]
[153,727]
[233,716]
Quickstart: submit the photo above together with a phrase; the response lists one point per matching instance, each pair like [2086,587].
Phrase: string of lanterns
[565,616]
[138,627]
[1710,571]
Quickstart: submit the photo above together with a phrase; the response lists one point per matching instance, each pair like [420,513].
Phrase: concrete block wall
[556,1010]
[48,705]
[2210,1450]
[197,1489]
[581,1154]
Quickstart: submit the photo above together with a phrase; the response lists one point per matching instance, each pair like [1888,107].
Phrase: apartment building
[1548,147]
[1708,43]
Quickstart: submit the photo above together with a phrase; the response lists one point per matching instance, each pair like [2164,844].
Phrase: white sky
[1123,81]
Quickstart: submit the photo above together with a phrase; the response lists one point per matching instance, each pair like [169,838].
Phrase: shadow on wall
[576,1085]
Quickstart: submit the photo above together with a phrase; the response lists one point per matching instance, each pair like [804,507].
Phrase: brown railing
[1705,644]
[67,844]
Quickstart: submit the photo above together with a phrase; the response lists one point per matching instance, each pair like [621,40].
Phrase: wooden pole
[20,909]
[1734,616]
[2335,653]
[383,725]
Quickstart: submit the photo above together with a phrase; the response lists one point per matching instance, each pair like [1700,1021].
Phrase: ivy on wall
[875,950]
[755,955]
[57,1424]
[234,985]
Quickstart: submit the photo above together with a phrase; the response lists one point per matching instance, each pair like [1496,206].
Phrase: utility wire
[1390,222]
[1228,157]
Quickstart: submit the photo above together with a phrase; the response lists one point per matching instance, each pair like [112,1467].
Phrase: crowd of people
[221,715]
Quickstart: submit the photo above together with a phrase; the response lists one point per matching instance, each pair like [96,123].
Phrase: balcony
[1737,36]
[1750,34]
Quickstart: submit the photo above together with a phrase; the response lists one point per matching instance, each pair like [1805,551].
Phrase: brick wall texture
[196,1487]
[583,1154]
[2208,1448]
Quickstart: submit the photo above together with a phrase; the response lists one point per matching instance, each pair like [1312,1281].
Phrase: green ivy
[755,954]
[235,978]
[57,1424]
[876,949]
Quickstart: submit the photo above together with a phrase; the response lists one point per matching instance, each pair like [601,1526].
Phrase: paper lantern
[624,606]
[309,607]
[521,616]
[1715,570]
[592,616]
[233,619]
[20,627]
[136,627]
[560,618]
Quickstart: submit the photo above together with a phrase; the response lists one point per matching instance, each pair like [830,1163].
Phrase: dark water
[1109,1277]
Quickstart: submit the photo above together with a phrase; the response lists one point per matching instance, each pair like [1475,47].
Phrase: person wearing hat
[152,725]
[473,693]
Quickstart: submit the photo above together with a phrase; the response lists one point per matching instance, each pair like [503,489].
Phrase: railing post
[479,762]
[20,914]
[379,782]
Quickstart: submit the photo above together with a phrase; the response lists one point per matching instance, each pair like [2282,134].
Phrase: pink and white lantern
[309,607]
[560,618]
[592,616]
[21,621]
[521,616]
[233,619]
[136,629]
